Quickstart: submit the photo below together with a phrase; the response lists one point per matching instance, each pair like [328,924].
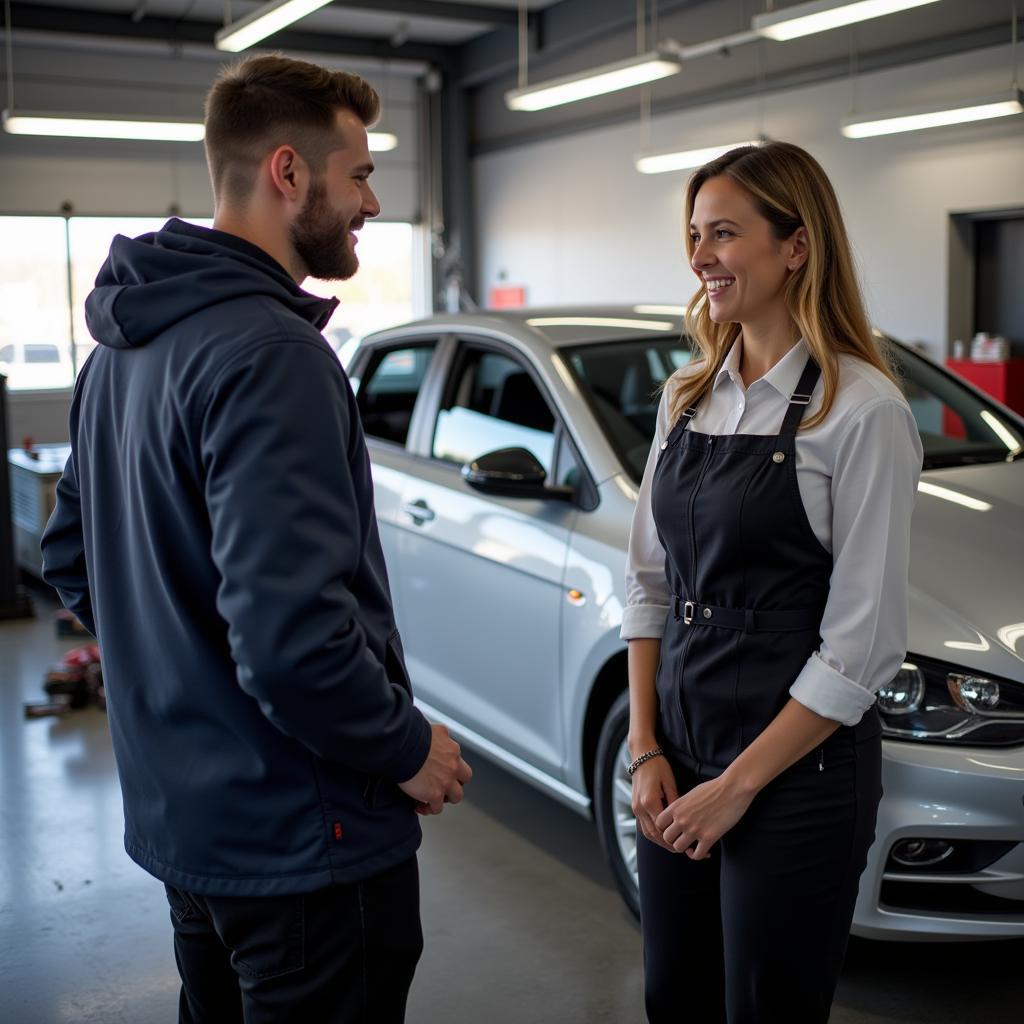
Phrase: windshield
[622,382]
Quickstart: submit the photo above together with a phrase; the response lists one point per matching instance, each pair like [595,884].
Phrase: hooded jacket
[215,529]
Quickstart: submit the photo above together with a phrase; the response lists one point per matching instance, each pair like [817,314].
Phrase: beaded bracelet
[656,752]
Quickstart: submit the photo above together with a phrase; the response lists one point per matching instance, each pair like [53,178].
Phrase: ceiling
[474,43]
[442,22]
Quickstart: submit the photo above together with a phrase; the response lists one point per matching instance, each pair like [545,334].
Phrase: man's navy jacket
[215,530]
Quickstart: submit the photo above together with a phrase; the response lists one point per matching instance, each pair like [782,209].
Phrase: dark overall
[756,933]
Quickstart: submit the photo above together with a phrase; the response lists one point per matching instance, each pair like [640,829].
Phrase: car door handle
[419,512]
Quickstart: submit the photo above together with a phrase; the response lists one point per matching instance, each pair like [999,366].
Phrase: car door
[388,380]
[481,576]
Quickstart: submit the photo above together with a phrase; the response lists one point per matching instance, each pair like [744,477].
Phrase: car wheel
[613,802]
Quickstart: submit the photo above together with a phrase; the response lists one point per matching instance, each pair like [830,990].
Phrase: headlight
[937,703]
[904,694]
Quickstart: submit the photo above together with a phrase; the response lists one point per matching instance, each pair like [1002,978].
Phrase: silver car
[507,450]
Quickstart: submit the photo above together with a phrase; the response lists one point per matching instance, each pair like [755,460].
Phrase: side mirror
[512,473]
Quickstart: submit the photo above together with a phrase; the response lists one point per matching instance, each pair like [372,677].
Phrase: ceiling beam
[496,16]
[112,25]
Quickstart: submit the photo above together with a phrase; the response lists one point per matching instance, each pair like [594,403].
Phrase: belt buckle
[688,611]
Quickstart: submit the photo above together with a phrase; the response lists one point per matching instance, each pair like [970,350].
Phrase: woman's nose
[702,257]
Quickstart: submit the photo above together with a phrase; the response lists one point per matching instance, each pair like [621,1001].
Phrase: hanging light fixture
[964,111]
[821,15]
[684,159]
[623,74]
[263,22]
[862,126]
[101,126]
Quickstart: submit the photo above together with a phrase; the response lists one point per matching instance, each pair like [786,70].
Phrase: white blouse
[857,474]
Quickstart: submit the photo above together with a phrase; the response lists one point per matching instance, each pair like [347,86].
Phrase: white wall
[573,221]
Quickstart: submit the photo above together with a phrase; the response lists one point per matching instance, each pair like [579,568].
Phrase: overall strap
[801,398]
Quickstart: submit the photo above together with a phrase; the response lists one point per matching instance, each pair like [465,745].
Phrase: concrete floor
[521,920]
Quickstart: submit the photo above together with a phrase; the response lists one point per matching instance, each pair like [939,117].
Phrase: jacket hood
[148,284]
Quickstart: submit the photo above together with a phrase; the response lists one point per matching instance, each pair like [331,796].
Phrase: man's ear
[798,244]
[286,172]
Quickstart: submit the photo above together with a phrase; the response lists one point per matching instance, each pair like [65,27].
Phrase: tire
[616,825]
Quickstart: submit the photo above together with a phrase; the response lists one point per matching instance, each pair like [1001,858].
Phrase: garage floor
[521,920]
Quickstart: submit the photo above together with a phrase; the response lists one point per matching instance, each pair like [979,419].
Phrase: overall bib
[750,581]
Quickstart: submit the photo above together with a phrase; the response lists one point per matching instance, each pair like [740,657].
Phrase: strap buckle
[798,399]
[689,608]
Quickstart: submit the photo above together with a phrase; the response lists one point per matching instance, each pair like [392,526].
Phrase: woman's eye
[695,238]
[723,231]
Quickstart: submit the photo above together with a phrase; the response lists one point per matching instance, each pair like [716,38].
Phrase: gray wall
[573,221]
[128,178]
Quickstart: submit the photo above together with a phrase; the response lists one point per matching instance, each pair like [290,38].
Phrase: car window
[42,354]
[386,393]
[493,403]
[957,427]
[622,381]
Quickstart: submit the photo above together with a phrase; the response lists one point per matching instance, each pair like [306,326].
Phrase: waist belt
[747,620]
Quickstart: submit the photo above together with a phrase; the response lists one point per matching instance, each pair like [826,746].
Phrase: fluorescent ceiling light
[623,74]
[263,22]
[89,126]
[822,15]
[600,321]
[661,310]
[863,126]
[381,142]
[957,497]
[681,160]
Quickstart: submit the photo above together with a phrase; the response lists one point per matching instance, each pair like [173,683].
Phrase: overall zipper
[693,568]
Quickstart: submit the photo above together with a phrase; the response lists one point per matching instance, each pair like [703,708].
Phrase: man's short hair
[271,100]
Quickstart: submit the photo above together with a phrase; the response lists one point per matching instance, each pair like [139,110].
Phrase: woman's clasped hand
[691,823]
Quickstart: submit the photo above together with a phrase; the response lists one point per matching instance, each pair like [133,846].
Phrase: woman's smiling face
[736,254]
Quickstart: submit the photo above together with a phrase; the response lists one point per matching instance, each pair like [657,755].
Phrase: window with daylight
[48,267]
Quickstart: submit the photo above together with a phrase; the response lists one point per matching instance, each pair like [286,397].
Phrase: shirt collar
[783,376]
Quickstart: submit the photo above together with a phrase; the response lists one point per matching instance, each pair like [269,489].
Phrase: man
[215,529]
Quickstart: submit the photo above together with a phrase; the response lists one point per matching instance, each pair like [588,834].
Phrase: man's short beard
[320,238]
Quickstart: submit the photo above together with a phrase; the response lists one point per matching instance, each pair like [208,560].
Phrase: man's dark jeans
[342,955]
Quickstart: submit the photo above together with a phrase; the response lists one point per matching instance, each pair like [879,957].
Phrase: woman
[767,601]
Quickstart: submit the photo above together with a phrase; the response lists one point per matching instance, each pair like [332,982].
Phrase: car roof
[563,326]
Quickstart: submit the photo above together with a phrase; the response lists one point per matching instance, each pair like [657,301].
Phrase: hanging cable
[853,69]
[524,43]
[1013,42]
[10,55]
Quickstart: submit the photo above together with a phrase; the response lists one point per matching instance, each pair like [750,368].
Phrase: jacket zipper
[821,759]
[693,566]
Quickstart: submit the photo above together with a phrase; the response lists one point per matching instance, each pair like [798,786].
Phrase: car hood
[967,568]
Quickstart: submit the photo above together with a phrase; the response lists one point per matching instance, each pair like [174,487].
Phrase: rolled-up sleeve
[647,590]
[864,627]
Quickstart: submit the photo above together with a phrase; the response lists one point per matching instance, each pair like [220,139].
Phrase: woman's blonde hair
[790,190]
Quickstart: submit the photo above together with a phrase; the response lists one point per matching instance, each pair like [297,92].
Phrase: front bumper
[965,795]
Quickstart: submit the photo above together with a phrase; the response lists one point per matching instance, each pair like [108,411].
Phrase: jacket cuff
[829,693]
[643,621]
[413,755]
